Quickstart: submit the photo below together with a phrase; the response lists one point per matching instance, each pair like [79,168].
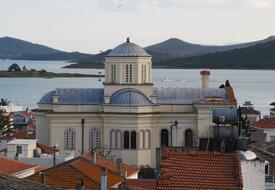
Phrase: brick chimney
[205,78]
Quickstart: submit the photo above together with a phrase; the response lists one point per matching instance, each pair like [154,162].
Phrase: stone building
[129,115]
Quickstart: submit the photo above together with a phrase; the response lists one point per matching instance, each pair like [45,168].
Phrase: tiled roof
[186,95]
[265,123]
[25,113]
[272,109]
[8,166]
[199,170]
[249,110]
[33,126]
[66,174]
[21,134]
[128,49]
[44,148]
[140,184]
[8,182]
[89,96]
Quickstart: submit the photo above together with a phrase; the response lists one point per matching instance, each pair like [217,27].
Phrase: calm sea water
[257,86]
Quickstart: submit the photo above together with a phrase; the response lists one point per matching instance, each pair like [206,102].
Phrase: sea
[257,86]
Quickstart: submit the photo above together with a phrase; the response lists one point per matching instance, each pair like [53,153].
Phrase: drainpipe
[103,179]
[171,130]
[82,129]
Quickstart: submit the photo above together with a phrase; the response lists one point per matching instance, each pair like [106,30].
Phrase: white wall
[269,133]
[253,173]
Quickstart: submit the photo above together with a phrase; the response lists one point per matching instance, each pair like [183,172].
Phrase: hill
[259,56]
[13,48]
[177,47]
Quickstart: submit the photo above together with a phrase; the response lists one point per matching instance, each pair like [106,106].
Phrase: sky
[94,25]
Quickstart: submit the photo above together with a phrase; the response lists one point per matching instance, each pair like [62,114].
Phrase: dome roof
[130,97]
[128,49]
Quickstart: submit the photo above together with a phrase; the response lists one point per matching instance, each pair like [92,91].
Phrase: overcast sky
[94,25]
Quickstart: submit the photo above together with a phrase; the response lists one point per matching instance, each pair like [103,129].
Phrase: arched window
[141,139]
[129,73]
[94,138]
[133,140]
[188,138]
[118,139]
[69,139]
[113,73]
[164,138]
[147,139]
[126,140]
[143,73]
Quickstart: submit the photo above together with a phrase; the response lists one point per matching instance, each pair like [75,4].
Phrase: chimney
[205,78]
[103,179]
[119,166]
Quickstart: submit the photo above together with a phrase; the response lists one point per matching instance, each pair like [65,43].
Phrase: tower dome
[130,97]
[128,49]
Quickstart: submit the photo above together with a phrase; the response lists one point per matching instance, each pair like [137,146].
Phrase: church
[129,115]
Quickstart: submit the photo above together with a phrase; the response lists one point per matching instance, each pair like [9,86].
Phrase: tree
[14,68]
[4,102]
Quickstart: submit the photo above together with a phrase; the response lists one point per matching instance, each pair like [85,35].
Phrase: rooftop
[265,123]
[89,96]
[8,182]
[8,166]
[209,170]
[22,141]
[249,110]
[66,174]
[128,49]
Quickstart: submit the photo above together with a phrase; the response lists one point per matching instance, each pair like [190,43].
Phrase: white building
[129,115]
[26,150]
[268,126]
[12,108]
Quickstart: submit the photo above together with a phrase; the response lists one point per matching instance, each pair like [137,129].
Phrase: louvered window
[94,138]
[69,139]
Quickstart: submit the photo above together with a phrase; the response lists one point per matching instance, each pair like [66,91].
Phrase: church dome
[128,49]
[130,97]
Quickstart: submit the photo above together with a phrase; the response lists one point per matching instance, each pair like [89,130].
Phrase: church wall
[42,128]
[60,123]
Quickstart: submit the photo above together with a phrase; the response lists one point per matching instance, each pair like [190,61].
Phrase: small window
[94,137]
[19,149]
[69,139]
[129,73]
[164,138]
[113,73]
[267,165]
[133,140]
[126,140]
[143,73]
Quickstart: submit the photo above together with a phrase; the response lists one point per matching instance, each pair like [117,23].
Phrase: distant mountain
[259,56]
[12,48]
[177,47]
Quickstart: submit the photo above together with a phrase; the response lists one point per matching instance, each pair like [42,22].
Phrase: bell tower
[128,66]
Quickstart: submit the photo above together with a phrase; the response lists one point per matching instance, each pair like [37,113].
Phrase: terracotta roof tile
[21,134]
[248,110]
[8,166]
[199,170]
[66,174]
[44,148]
[141,184]
[265,123]
[272,109]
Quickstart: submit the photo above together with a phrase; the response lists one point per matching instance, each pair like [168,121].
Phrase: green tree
[14,67]
[4,102]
